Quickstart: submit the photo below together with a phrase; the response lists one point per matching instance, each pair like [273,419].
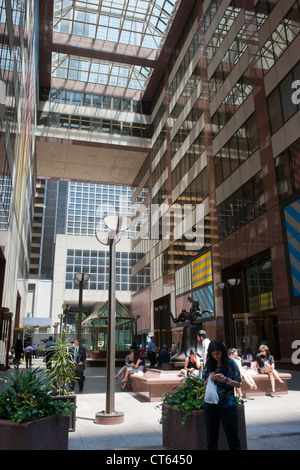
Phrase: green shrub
[27,397]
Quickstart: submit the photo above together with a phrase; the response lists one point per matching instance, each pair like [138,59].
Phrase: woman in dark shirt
[224,372]
[192,363]
[266,365]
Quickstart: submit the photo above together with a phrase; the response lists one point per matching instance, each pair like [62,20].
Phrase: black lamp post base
[117,417]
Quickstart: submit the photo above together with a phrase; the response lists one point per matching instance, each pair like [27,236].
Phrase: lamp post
[60,316]
[115,224]
[80,280]
[227,285]
[66,308]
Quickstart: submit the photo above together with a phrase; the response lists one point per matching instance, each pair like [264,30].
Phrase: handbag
[211,395]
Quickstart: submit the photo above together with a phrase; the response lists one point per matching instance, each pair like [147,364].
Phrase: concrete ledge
[264,385]
[154,382]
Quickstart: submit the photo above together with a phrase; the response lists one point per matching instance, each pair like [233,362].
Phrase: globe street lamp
[227,285]
[80,280]
[115,224]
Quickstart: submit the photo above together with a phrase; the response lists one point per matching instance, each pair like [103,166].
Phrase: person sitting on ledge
[233,354]
[137,367]
[266,365]
[127,366]
[164,356]
[192,364]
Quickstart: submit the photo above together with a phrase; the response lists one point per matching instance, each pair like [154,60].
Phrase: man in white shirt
[203,346]
[28,355]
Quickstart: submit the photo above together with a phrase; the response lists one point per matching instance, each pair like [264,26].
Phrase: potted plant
[30,417]
[62,374]
[183,420]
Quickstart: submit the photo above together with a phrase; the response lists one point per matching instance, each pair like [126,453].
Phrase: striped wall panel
[292,223]
[141,306]
[205,297]
[183,279]
[202,270]
[182,303]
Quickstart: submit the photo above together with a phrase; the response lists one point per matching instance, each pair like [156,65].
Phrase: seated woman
[247,358]
[192,364]
[164,356]
[233,354]
[266,365]
[128,361]
[137,366]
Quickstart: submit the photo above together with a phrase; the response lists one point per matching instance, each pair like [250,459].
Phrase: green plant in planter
[62,371]
[187,397]
[27,396]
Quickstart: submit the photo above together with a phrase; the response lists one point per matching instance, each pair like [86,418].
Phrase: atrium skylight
[142,24]
[99,72]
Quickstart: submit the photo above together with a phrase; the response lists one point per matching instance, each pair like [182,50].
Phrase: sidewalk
[272,423]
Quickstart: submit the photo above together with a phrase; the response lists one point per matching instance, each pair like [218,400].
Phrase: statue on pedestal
[189,332]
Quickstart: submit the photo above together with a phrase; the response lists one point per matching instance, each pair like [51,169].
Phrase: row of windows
[241,145]
[287,166]
[186,127]
[96,101]
[189,158]
[223,28]
[280,104]
[230,59]
[245,204]
[210,12]
[93,124]
[281,37]
[231,103]
[96,263]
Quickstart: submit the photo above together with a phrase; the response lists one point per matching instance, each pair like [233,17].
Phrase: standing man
[203,346]
[152,352]
[79,360]
[28,355]
[49,351]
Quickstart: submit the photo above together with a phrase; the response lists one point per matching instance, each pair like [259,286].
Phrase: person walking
[224,373]
[19,351]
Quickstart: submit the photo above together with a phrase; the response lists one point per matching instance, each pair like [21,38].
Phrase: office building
[194,104]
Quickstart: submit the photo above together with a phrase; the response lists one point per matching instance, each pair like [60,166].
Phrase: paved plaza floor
[273,423]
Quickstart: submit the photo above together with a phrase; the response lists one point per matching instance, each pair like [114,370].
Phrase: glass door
[253,329]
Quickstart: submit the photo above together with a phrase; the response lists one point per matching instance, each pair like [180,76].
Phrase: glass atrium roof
[142,24]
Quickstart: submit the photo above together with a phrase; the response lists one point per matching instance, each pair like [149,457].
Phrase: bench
[154,382]
[263,384]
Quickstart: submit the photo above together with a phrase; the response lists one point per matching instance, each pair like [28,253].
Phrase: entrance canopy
[95,328]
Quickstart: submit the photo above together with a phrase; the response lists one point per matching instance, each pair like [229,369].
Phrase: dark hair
[211,363]
[267,351]
[192,352]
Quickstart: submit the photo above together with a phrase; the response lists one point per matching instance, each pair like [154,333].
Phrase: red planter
[192,434]
[49,433]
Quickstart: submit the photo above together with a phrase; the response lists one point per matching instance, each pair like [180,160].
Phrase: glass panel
[252,288]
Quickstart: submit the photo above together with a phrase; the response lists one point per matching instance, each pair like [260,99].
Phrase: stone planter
[72,417]
[49,433]
[192,434]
